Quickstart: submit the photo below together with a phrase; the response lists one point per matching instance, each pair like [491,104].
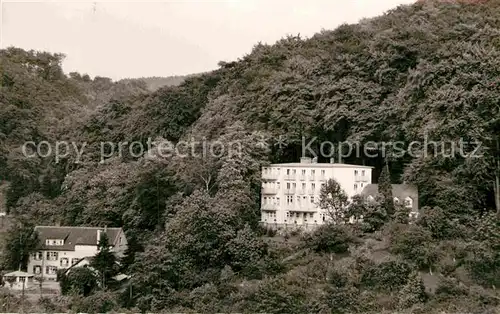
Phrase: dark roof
[73,236]
[398,190]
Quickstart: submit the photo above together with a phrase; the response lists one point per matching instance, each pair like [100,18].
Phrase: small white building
[403,194]
[290,191]
[18,280]
[62,247]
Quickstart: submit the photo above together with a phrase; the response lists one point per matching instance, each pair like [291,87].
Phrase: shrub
[100,302]
[436,221]
[342,299]
[329,239]
[415,244]
[483,263]
[413,292]
[388,275]
[450,288]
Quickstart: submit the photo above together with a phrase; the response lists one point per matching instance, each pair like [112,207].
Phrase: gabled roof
[73,236]
[401,191]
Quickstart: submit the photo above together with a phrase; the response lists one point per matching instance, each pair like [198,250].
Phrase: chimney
[305,160]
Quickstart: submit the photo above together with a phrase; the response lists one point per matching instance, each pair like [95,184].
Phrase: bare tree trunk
[497,181]
[497,194]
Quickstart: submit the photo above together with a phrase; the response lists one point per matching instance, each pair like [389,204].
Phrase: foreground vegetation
[428,70]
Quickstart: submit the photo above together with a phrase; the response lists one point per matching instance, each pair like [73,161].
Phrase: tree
[21,241]
[385,189]
[329,238]
[413,292]
[333,200]
[104,262]
[80,280]
[373,214]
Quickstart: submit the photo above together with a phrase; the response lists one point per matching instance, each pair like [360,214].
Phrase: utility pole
[22,296]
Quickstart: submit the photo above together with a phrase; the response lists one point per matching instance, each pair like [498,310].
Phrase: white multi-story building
[62,247]
[290,191]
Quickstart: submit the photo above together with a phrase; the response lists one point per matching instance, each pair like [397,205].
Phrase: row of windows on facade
[304,172]
[290,185]
[49,270]
[289,200]
[292,216]
[56,242]
[408,201]
[51,256]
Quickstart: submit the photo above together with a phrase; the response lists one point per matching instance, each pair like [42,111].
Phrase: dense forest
[428,70]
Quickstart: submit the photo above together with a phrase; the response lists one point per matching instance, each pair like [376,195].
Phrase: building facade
[62,247]
[403,194]
[290,191]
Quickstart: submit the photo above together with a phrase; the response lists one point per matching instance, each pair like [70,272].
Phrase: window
[311,215]
[408,202]
[294,171]
[322,173]
[287,172]
[74,261]
[288,185]
[303,172]
[54,242]
[303,186]
[363,173]
[38,256]
[37,269]
[312,199]
[313,172]
[52,256]
[51,270]
[289,199]
[294,185]
[313,186]
[64,262]
[277,201]
[355,187]
[355,172]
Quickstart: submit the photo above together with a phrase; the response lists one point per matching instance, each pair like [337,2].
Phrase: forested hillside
[426,71]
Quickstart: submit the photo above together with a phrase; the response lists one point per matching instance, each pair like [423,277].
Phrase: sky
[120,39]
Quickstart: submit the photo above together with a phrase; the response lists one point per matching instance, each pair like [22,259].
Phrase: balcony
[270,207]
[303,208]
[302,177]
[290,191]
[361,178]
[290,177]
[270,176]
[312,178]
[301,191]
[269,190]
